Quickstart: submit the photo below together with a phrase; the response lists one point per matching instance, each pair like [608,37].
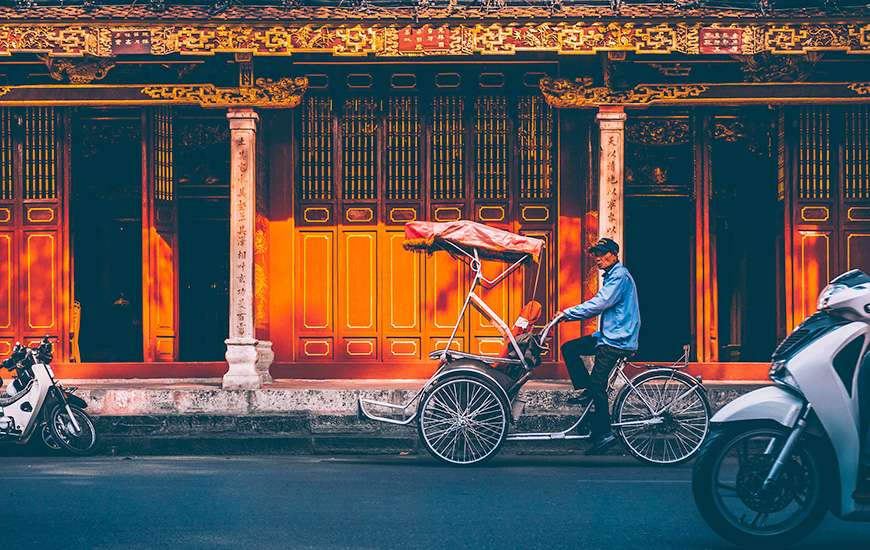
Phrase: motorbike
[780,457]
[34,401]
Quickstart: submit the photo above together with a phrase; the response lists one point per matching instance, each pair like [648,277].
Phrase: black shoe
[579,399]
[600,443]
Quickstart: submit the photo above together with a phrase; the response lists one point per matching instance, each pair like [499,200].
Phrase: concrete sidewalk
[295,416]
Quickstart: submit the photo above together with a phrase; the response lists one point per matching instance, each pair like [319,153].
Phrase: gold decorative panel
[814,153]
[856,176]
[315,155]
[402,148]
[535,135]
[491,146]
[162,135]
[359,155]
[448,147]
[7,178]
[40,153]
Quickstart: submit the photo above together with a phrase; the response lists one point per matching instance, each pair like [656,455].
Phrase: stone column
[611,161]
[241,344]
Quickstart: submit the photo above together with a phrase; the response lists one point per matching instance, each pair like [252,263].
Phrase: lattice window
[40,153]
[857,154]
[403,143]
[814,154]
[164,188]
[491,133]
[535,136]
[448,147]
[359,156]
[7,176]
[315,178]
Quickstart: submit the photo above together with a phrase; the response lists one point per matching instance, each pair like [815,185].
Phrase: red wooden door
[159,239]
[370,162]
[34,286]
[826,175]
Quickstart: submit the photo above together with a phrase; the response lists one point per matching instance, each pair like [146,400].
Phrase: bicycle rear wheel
[664,419]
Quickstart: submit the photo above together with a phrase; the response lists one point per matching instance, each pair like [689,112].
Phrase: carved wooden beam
[107,39]
[286,93]
[564,93]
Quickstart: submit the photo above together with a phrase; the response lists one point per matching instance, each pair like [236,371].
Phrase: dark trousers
[596,382]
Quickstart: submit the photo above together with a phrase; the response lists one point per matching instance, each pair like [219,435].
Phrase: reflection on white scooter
[34,400]
[780,457]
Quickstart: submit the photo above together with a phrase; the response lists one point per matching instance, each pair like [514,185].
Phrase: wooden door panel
[315,272]
[165,296]
[358,278]
[40,276]
[813,255]
[858,251]
[444,293]
[7,280]
[402,288]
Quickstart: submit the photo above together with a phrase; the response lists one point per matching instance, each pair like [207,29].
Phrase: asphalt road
[378,503]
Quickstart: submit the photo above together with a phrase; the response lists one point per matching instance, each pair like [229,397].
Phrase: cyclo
[467,409]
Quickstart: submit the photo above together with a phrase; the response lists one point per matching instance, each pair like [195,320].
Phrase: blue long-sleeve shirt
[616,303]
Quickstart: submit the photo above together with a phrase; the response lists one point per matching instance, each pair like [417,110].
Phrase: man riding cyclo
[616,338]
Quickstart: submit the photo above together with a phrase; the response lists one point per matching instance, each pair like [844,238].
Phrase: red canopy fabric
[498,243]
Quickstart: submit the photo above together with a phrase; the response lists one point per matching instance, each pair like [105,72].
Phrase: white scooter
[780,457]
[34,400]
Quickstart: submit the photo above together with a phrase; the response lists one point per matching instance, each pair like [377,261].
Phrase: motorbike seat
[6,400]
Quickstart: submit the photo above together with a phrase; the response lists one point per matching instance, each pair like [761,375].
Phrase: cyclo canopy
[490,242]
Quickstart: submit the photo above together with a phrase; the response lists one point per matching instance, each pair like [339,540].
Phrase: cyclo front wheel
[664,419]
[463,421]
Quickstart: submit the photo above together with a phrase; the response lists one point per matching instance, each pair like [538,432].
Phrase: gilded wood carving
[580,37]
[285,93]
[564,93]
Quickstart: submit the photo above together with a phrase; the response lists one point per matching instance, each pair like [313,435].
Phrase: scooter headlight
[780,374]
[827,293]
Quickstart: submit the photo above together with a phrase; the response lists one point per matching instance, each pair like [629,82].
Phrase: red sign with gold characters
[424,39]
[131,42]
[715,40]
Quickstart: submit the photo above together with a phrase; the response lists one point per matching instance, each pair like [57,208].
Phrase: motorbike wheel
[47,439]
[684,422]
[727,485]
[80,442]
[462,421]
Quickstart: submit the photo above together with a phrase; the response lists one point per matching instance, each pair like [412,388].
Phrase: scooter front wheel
[728,486]
[79,437]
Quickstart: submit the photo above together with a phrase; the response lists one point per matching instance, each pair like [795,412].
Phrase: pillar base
[242,359]
[265,358]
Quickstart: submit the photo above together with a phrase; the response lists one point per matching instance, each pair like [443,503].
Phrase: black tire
[680,455]
[82,444]
[705,481]
[489,420]
[48,440]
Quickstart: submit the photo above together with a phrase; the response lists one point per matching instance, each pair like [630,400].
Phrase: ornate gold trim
[564,93]
[860,88]
[285,93]
[78,71]
[815,213]
[5,90]
[490,38]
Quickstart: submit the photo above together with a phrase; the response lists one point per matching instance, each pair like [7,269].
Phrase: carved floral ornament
[564,93]
[78,71]
[579,37]
[285,93]
[860,88]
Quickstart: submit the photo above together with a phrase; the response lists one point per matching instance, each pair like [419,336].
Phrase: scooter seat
[6,400]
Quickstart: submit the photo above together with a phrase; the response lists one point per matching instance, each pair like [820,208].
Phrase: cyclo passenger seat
[523,325]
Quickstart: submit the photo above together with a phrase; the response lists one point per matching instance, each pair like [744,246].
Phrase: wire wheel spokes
[678,429]
[463,421]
